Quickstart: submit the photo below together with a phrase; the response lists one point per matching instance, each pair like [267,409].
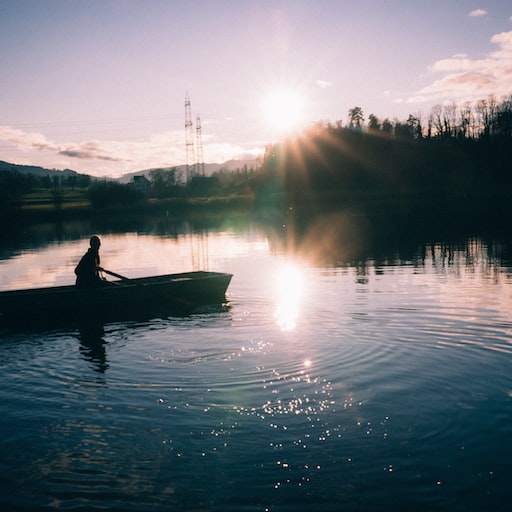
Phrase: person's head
[94,242]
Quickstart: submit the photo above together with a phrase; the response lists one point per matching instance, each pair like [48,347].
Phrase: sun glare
[283,110]
[289,290]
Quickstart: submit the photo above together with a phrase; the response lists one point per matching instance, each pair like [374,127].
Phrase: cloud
[466,79]
[25,140]
[477,13]
[109,157]
[70,154]
[87,151]
[504,39]
[323,84]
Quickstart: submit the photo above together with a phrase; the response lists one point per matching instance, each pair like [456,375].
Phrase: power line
[57,124]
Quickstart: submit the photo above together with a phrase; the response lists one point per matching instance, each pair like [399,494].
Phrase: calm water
[370,383]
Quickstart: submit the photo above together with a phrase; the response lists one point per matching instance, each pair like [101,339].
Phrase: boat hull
[150,297]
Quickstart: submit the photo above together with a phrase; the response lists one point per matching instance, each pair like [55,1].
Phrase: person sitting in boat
[87,270]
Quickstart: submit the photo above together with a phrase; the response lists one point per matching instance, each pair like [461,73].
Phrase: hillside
[209,169]
[230,165]
[38,171]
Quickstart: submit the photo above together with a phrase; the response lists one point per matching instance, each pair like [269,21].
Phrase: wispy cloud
[323,84]
[477,13]
[88,151]
[113,158]
[26,140]
[464,78]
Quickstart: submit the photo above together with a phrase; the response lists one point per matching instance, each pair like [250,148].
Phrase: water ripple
[386,384]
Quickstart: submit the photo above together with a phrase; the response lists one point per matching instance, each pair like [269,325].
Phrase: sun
[283,110]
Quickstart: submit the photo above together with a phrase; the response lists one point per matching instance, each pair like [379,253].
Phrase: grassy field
[54,200]
[68,202]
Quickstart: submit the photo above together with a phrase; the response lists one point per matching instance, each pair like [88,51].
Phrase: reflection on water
[336,380]
[92,345]
[289,287]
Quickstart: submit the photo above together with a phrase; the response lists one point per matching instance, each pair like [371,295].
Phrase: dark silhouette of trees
[415,126]
[235,181]
[466,122]
[13,185]
[355,117]
[111,194]
[387,126]
[166,182]
[503,119]
[374,124]
[460,159]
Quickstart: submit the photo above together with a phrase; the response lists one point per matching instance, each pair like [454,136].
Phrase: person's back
[86,271]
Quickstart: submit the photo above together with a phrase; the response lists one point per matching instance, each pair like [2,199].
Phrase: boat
[120,299]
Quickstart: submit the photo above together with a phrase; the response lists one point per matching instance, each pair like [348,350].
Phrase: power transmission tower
[189,141]
[200,156]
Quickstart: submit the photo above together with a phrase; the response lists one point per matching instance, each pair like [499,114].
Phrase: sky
[99,86]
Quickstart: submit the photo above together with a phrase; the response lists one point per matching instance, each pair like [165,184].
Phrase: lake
[336,377]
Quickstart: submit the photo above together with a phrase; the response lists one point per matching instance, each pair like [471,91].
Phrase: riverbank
[331,216]
[45,208]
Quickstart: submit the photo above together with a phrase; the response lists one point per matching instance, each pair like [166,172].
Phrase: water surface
[381,382]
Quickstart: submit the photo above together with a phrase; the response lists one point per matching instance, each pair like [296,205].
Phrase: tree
[449,120]
[503,119]
[402,130]
[373,123]
[103,194]
[165,181]
[466,124]
[435,120]
[355,117]
[387,126]
[414,126]
[486,111]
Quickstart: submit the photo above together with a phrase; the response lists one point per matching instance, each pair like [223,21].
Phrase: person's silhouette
[87,270]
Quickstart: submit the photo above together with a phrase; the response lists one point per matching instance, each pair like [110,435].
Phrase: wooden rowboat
[122,299]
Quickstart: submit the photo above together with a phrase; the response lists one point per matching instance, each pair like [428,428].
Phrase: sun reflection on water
[290,287]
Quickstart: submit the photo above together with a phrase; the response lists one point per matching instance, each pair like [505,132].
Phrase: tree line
[161,183]
[15,184]
[487,118]
[167,183]
[455,157]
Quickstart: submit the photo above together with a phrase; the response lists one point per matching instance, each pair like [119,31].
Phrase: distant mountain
[38,171]
[209,169]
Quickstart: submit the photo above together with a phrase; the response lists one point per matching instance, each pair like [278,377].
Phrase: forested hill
[35,170]
[459,160]
[209,169]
